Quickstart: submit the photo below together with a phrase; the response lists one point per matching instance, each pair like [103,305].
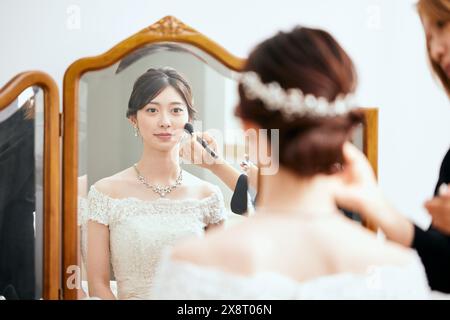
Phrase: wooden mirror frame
[51,174]
[168,29]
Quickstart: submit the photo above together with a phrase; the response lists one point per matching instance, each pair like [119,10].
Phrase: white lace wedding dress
[182,280]
[140,230]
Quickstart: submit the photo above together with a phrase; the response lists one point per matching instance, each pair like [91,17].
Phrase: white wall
[383,36]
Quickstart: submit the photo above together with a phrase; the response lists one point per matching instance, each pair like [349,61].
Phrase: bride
[135,213]
[297,245]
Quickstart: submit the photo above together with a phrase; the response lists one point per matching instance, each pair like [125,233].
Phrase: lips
[163,134]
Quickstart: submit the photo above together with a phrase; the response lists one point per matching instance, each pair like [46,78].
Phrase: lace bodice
[140,230]
[183,280]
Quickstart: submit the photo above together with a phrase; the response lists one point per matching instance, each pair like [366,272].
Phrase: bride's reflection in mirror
[133,214]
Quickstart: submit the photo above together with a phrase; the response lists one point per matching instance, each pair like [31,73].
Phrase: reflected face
[161,122]
[438,40]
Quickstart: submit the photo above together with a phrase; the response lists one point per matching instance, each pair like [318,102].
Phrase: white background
[384,37]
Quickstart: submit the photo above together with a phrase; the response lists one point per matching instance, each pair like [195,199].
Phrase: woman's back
[288,258]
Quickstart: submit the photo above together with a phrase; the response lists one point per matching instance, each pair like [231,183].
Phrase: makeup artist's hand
[439,209]
[358,190]
[191,151]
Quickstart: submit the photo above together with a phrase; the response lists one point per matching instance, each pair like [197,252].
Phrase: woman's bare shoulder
[112,185]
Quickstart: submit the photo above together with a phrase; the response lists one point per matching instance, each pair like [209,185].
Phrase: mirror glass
[21,196]
[133,222]
[108,146]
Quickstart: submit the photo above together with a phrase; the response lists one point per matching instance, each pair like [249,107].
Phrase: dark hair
[152,82]
[311,60]
[436,10]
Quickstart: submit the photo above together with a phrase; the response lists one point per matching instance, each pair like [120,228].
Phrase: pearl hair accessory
[293,102]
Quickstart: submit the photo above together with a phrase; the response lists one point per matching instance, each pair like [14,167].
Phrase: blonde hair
[436,10]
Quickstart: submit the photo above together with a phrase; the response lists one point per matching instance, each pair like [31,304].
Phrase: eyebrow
[171,103]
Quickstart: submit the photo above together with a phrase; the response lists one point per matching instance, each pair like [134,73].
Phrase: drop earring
[136,131]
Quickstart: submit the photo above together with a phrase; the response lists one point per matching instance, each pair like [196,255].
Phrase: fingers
[444,190]
[351,152]
[354,156]
[209,140]
[356,165]
[194,153]
[442,223]
[205,136]
[439,209]
[438,206]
